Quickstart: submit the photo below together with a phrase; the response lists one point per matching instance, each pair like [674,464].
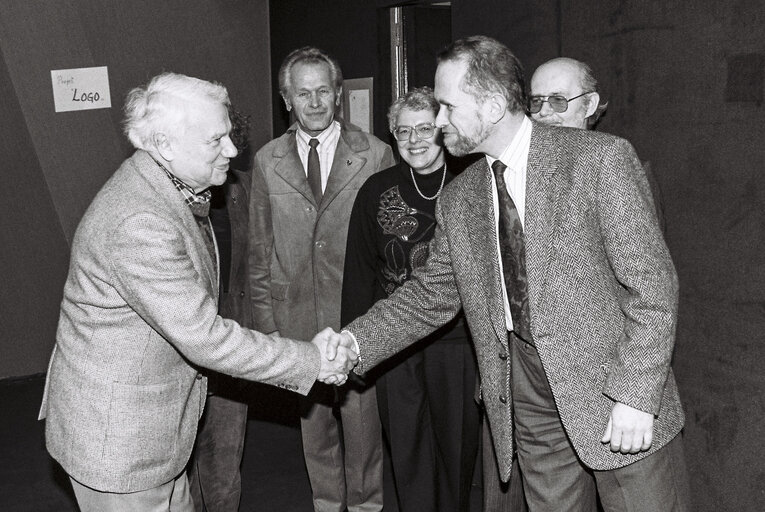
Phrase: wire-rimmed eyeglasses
[423,131]
[558,103]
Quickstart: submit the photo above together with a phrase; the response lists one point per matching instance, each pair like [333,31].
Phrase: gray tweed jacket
[139,315]
[602,291]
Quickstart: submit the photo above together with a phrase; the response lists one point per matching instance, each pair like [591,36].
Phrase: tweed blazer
[123,395]
[602,291]
[297,247]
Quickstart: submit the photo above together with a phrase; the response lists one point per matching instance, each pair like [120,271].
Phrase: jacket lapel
[483,241]
[290,168]
[346,164]
[543,183]
[164,188]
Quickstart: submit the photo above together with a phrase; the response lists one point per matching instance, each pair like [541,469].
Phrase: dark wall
[353,31]
[54,163]
[685,85]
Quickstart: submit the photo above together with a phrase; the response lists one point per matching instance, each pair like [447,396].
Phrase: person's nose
[315,100]
[546,109]
[229,150]
[441,117]
[414,136]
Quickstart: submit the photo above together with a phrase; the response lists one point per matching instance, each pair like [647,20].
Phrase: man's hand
[337,356]
[629,430]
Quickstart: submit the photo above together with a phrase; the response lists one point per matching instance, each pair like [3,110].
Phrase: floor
[273,472]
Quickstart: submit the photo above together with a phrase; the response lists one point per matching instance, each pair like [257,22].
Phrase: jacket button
[199,376]
[241,294]
[502,356]
[503,399]
[319,244]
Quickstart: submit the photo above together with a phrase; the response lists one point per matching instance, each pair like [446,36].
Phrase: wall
[355,32]
[685,84]
[54,163]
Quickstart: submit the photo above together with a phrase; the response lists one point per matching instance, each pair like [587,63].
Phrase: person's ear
[338,96]
[497,107]
[593,100]
[287,103]
[164,146]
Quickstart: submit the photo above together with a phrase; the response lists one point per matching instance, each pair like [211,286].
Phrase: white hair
[159,106]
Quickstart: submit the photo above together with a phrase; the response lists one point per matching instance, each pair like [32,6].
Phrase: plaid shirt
[199,203]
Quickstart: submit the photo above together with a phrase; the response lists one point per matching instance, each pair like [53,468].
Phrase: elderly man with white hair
[139,313]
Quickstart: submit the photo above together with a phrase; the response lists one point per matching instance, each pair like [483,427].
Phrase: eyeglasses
[558,103]
[424,131]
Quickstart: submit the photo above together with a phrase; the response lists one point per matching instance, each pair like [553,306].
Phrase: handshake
[338,356]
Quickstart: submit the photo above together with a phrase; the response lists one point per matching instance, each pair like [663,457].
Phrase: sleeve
[387,159]
[359,272]
[642,265]
[428,300]
[261,246]
[154,273]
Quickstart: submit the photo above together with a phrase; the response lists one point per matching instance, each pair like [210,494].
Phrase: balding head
[569,79]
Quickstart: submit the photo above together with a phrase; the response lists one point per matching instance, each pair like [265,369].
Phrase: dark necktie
[314,170]
[513,253]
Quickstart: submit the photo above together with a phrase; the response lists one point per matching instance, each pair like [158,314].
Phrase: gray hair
[157,107]
[418,99]
[308,55]
[491,69]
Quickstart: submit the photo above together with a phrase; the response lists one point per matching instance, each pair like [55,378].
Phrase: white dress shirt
[327,145]
[516,158]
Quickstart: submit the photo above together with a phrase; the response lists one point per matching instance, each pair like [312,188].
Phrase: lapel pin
[347,162]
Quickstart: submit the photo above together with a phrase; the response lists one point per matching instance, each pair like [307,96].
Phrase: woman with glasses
[425,395]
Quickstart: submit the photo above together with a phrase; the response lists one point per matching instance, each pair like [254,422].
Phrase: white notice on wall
[80,89]
[359,106]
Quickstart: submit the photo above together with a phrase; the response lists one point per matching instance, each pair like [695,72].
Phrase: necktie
[314,170]
[513,253]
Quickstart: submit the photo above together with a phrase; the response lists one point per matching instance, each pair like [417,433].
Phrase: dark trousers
[431,423]
[214,477]
[499,496]
[554,479]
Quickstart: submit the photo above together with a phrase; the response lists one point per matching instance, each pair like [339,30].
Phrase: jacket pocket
[279,290]
[144,424]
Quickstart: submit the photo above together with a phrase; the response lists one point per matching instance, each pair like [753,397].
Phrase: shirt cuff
[355,343]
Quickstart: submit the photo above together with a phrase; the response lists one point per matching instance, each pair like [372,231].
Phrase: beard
[461,145]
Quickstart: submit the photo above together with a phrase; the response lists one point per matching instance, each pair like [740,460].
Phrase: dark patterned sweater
[390,227]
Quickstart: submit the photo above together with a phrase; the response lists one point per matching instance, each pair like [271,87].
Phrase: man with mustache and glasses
[564,92]
[303,187]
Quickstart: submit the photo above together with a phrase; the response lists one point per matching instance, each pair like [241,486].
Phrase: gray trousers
[554,479]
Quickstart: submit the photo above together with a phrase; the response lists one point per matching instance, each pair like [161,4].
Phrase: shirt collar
[323,136]
[191,198]
[516,153]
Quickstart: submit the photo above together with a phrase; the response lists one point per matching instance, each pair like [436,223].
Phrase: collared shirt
[190,197]
[327,145]
[516,158]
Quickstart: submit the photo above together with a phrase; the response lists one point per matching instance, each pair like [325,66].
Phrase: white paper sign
[359,114]
[80,89]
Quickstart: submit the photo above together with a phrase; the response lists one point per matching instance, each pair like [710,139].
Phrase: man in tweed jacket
[139,315]
[586,396]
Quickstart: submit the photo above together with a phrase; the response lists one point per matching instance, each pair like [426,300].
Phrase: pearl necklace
[443,180]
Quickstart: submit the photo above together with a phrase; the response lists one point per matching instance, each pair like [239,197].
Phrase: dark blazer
[123,395]
[602,291]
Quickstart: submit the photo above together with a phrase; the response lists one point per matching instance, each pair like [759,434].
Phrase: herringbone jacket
[602,291]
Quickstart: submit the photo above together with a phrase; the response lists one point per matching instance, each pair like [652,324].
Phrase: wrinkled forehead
[556,78]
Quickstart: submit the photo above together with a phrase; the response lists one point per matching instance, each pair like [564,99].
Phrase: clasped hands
[338,356]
